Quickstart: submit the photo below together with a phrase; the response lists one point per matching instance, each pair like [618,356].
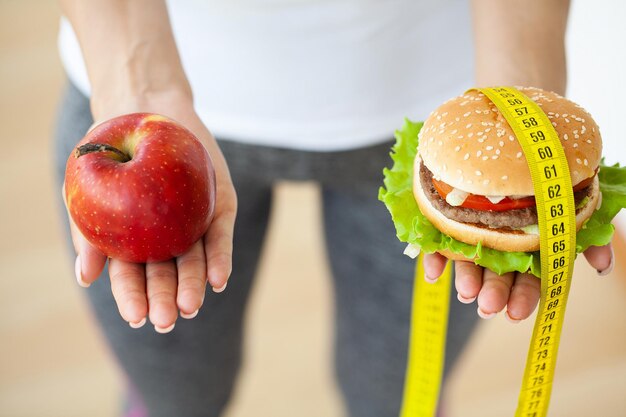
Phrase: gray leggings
[191,371]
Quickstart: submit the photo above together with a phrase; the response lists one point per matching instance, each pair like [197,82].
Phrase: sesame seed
[454,132]
[485,182]
[478,153]
[576,136]
[485,158]
[467,114]
[488,130]
[585,162]
[588,141]
[470,134]
[554,124]
[519,155]
[457,148]
[480,133]
[440,143]
[445,168]
[505,177]
[579,161]
[565,114]
[511,138]
[497,151]
[479,173]
[468,125]
[489,147]
[583,130]
[565,137]
[494,157]
[501,143]
[575,145]
[466,157]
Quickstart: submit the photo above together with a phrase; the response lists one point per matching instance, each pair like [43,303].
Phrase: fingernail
[138,324]
[511,319]
[608,269]
[222,288]
[484,315]
[429,279]
[189,316]
[465,300]
[79,273]
[164,330]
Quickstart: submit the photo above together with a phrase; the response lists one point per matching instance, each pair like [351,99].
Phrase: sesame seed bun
[468,144]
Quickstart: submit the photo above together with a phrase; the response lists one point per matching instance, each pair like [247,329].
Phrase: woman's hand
[518,293]
[162,290]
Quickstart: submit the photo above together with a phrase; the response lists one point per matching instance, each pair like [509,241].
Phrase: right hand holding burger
[475,199]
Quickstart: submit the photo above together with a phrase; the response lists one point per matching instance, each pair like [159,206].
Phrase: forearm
[129,50]
[520,42]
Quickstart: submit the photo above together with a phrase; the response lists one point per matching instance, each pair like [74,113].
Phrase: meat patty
[508,219]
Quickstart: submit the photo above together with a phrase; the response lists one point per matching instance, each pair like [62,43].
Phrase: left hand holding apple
[162,287]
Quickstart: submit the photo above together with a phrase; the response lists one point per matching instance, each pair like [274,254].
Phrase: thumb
[89,260]
[601,258]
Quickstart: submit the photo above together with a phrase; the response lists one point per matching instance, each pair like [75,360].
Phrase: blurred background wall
[53,361]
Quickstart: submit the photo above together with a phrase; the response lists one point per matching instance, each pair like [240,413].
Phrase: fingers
[494,294]
[161,285]
[468,281]
[218,246]
[434,264]
[128,285]
[191,268]
[601,258]
[159,289]
[524,297]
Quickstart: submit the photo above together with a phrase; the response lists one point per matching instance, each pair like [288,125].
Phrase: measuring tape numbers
[557,233]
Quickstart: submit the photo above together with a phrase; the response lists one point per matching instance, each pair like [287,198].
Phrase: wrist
[119,100]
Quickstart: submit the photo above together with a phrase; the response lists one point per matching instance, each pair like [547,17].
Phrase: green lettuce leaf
[413,227]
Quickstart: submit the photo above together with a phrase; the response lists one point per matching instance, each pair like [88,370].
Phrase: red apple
[140,187]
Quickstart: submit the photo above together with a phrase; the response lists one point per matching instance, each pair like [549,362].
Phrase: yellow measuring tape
[557,233]
[427,344]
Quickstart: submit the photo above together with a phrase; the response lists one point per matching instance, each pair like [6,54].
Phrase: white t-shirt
[314,74]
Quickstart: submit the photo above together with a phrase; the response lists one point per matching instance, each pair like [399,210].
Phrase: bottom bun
[499,239]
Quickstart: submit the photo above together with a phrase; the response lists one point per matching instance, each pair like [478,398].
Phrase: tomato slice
[479,202]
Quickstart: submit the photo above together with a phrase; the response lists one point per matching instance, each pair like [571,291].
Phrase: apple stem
[100,147]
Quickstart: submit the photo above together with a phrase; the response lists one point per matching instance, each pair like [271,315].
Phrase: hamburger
[472,180]
[461,186]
